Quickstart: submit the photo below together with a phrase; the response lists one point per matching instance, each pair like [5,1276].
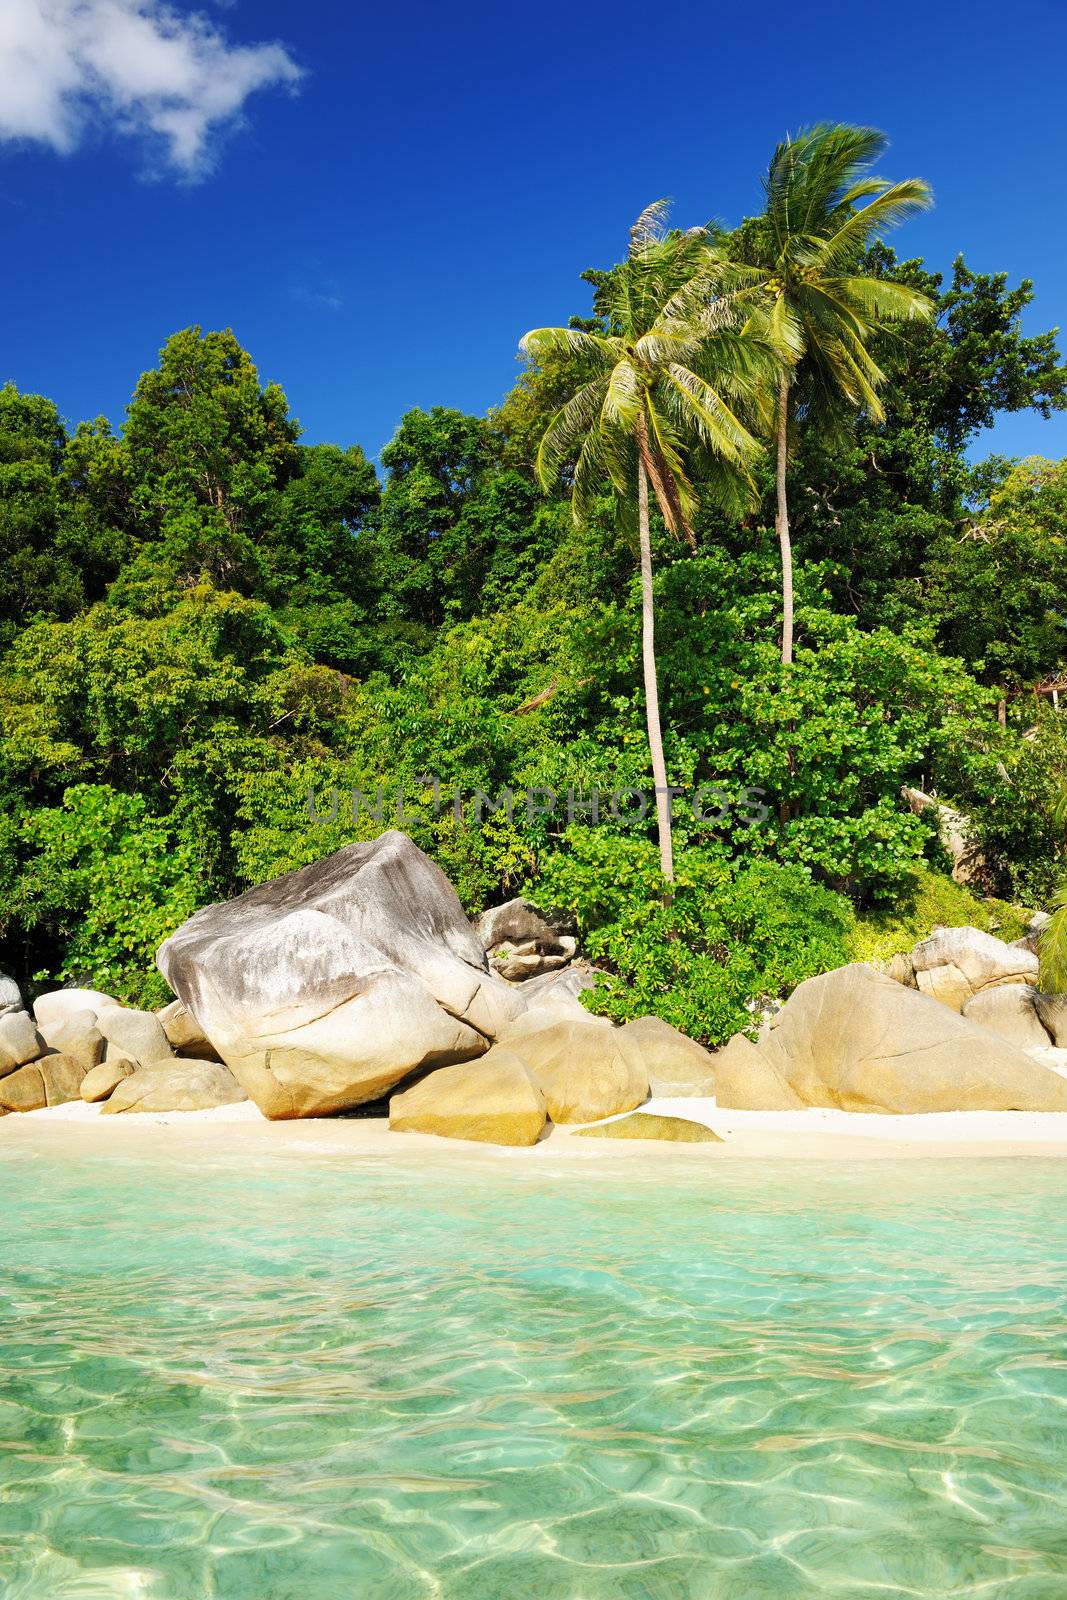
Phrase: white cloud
[320,299]
[148,69]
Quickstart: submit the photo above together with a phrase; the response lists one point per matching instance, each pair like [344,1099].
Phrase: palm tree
[672,368]
[804,257]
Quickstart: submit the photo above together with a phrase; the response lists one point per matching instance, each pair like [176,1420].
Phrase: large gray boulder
[856,1040]
[324,988]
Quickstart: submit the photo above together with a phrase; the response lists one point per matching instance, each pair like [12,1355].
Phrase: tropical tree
[801,262]
[672,369]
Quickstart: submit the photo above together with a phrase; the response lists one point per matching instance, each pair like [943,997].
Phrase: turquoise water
[319,1378]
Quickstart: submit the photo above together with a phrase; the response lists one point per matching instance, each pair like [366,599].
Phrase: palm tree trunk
[782,525]
[648,663]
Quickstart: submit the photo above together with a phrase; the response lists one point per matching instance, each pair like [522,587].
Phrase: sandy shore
[748,1135]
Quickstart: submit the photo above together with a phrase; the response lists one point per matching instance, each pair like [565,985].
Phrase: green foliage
[201,619]
[108,880]
[829,744]
[733,934]
[1052,946]
[927,900]
[206,447]
[996,586]
[1015,803]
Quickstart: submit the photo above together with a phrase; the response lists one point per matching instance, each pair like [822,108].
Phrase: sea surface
[298,1376]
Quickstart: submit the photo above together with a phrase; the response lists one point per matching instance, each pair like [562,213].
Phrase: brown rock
[1008,1010]
[493,1100]
[101,1080]
[583,1070]
[51,1081]
[746,1081]
[648,1125]
[184,1034]
[674,1063]
[856,1040]
[176,1085]
[23,1090]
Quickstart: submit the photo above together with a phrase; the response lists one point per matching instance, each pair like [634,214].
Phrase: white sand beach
[814,1134]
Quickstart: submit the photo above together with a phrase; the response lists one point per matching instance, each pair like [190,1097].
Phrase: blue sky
[380,201]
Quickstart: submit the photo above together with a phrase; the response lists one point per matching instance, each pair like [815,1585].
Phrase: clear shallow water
[310,1378]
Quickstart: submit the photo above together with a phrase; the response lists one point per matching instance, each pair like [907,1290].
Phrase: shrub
[928,900]
[107,881]
[732,935]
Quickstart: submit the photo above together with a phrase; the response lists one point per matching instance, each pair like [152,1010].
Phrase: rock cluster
[955,964]
[82,1044]
[360,974]
[957,1025]
[521,943]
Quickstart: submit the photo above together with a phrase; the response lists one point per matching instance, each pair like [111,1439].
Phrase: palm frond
[882,300]
[1052,946]
[570,424]
[784,329]
[541,343]
[715,425]
[590,471]
[810,174]
[623,398]
[844,247]
[650,226]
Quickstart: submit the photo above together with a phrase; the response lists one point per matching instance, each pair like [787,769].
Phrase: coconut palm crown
[674,369]
[800,265]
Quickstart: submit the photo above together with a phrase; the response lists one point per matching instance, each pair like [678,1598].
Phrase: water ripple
[315,1378]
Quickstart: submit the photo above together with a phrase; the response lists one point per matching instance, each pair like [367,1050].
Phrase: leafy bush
[732,935]
[1017,807]
[108,881]
[930,899]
